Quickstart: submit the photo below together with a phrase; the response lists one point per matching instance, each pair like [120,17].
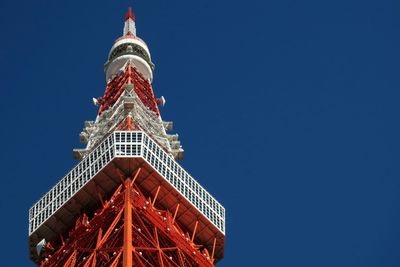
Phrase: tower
[127,202]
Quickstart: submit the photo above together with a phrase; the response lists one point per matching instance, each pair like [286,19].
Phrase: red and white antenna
[130,48]
[129,27]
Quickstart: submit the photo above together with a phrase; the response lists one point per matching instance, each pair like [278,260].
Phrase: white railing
[71,184]
[184,183]
[127,144]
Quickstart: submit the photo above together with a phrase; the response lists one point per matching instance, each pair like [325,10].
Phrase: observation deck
[129,47]
[98,173]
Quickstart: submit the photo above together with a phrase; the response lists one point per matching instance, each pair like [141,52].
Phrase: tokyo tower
[127,202]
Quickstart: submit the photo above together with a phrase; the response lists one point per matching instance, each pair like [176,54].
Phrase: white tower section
[131,48]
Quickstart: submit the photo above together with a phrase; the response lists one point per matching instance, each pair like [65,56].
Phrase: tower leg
[138,234]
[127,248]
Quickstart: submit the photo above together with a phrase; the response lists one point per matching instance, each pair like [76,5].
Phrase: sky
[287,111]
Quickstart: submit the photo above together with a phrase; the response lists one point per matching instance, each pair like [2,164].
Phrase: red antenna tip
[129,14]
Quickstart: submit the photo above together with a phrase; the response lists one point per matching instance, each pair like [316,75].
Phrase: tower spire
[129,26]
[129,14]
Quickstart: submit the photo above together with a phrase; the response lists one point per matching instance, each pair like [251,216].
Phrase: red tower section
[128,230]
[142,88]
[127,202]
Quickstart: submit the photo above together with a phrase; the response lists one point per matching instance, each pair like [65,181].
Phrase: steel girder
[128,230]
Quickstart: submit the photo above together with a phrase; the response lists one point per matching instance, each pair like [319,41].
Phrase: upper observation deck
[126,151]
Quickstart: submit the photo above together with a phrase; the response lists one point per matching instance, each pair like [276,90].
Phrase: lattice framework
[128,230]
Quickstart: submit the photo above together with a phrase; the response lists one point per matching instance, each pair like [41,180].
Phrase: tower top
[129,14]
[129,27]
[130,48]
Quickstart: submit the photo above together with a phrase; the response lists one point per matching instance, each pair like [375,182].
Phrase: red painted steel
[127,231]
[116,86]
[129,14]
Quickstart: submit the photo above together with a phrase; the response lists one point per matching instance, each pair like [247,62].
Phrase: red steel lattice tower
[127,202]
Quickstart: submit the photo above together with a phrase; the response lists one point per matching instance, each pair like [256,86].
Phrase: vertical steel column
[127,248]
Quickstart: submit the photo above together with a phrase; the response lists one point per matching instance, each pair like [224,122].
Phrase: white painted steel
[147,120]
[127,144]
[114,67]
[130,40]
[129,26]
[70,184]
[185,184]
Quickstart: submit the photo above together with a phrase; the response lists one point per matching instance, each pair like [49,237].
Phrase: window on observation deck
[132,49]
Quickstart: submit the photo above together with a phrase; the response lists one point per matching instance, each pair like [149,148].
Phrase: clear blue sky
[288,112]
